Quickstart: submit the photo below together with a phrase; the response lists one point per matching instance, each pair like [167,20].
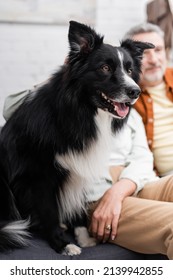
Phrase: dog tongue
[121,109]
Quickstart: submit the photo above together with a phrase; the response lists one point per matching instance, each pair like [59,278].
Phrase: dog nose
[133,93]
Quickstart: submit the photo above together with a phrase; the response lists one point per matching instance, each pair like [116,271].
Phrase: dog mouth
[118,109]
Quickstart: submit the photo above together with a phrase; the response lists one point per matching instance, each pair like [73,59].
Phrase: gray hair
[145,27]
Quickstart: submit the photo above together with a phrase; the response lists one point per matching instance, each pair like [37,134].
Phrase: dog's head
[108,75]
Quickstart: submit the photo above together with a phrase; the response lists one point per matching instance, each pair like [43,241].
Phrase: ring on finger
[108,227]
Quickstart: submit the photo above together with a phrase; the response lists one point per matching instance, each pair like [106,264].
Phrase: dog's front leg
[48,213]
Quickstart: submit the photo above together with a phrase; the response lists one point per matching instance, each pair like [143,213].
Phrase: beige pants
[146,221]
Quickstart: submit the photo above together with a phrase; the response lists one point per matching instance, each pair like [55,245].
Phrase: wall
[115,17]
[28,55]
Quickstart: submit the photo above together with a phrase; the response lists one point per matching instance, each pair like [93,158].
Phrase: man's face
[154,60]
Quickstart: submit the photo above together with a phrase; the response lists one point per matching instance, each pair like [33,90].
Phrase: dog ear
[136,48]
[82,38]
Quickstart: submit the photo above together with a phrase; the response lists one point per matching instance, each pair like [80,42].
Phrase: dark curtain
[159,13]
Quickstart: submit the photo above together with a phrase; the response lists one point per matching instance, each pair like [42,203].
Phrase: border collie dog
[57,142]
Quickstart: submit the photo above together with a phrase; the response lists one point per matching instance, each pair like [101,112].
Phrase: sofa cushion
[40,250]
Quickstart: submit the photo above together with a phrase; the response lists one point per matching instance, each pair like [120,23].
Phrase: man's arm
[140,162]
[12,102]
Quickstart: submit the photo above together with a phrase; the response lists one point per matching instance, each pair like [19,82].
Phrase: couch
[40,250]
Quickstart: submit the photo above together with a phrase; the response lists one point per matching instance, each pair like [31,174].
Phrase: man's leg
[146,222]
[159,190]
[146,226]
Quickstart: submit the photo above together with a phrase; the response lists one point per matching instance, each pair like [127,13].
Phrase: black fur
[57,120]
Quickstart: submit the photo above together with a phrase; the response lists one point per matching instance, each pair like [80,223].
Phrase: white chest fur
[85,168]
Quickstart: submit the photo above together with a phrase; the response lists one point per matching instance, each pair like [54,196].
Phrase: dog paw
[83,238]
[72,249]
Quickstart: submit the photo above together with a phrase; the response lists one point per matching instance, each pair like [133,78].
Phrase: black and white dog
[57,142]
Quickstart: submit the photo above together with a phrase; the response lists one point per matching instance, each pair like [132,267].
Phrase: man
[155,104]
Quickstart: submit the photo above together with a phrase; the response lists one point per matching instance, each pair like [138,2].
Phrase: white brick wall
[29,53]
[115,17]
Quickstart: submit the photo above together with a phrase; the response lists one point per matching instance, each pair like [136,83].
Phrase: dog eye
[105,68]
[129,71]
